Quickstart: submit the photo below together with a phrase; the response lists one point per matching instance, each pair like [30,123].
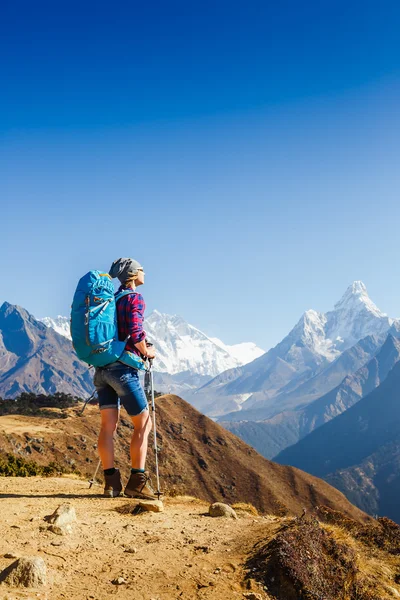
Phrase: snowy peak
[354,317]
[244,352]
[182,347]
[327,335]
[356,298]
[60,324]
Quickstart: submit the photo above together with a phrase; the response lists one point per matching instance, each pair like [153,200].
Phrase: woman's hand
[151,353]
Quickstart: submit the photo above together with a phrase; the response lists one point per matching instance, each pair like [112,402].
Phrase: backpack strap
[122,294]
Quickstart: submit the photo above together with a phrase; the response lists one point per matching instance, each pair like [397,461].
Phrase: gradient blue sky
[246,153]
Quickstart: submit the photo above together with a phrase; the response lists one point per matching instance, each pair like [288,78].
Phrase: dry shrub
[382,533]
[305,560]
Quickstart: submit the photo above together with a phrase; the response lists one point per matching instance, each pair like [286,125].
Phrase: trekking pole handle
[149,345]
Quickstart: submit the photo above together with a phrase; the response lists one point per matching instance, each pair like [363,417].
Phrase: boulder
[26,572]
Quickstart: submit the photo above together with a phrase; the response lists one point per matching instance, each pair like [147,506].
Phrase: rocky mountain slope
[271,381]
[197,456]
[114,550]
[271,436]
[35,358]
[359,450]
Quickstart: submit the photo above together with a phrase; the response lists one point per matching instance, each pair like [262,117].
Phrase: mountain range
[286,376]
[186,357]
[271,436]
[359,450]
[326,367]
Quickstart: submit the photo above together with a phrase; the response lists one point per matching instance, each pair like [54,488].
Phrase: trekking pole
[149,383]
[80,413]
[93,480]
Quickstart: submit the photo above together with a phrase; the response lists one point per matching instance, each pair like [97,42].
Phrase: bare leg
[142,428]
[109,422]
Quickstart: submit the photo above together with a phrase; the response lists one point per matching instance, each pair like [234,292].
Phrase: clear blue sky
[246,153]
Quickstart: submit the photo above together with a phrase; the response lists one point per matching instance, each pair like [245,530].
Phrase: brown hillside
[197,457]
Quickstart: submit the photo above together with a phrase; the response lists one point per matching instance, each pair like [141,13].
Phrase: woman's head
[129,271]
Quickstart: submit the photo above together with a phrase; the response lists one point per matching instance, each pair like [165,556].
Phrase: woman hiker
[118,382]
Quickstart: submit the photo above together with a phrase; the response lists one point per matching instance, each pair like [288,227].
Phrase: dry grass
[377,570]
[189,499]
[245,507]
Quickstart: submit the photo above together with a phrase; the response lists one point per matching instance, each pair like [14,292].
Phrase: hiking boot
[139,486]
[113,484]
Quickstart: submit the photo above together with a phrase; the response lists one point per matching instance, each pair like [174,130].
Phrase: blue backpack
[94,327]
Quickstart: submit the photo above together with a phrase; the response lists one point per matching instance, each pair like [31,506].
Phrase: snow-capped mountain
[182,347]
[59,324]
[244,352]
[354,317]
[317,340]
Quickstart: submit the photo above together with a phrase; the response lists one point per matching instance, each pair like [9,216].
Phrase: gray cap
[124,268]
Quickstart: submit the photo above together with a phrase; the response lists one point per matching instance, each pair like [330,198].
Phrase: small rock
[11,555]
[56,543]
[219,509]
[130,550]
[151,505]
[252,596]
[26,572]
[118,581]
[63,515]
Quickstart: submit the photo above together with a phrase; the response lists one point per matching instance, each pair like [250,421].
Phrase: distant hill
[34,358]
[359,450]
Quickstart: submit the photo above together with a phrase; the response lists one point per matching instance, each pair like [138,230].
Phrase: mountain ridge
[34,358]
[360,445]
[315,341]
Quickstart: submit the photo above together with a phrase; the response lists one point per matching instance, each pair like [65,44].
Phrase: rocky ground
[183,553]
[178,553]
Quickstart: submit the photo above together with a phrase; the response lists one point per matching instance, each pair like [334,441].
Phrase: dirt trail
[18,424]
[178,554]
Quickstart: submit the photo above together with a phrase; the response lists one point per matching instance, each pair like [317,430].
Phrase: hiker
[118,382]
